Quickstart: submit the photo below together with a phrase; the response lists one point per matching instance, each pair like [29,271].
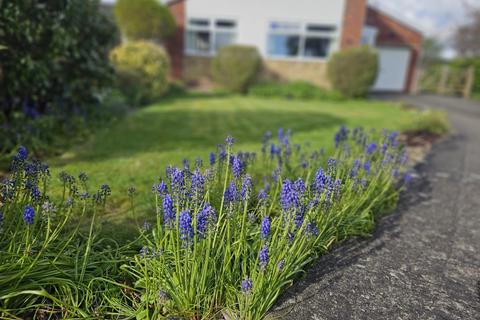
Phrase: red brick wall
[353,21]
[175,44]
[392,32]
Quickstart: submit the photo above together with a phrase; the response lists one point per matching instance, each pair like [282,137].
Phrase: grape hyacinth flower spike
[265,228]
[246,285]
[29,215]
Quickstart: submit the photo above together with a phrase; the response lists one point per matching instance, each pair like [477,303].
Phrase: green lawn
[136,150]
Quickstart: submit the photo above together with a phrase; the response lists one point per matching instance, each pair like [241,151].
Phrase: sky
[435,18]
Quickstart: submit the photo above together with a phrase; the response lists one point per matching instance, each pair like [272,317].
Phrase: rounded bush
[142,70]
[353,71]
[236,66]
[144,19]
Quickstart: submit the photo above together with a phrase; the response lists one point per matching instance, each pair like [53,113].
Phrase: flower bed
[226,239]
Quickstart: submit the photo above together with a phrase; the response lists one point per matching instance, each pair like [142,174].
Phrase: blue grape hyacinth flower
[212,158]
[246,187]
[371,148]
[263,257]
[265,228]
[246,285]
[168,211]
[231,195]
[29,215]
[229,140]
[204,217]
[237,167]
[185,227]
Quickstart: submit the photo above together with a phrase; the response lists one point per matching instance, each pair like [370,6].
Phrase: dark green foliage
[54,62]
[144,19]
[236,66]
[301,90]
[353,71]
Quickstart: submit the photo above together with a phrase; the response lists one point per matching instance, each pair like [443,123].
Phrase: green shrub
[353,71]
[142,70]
[54,51]
[144,19]
[53,64]
[293,90]
[235,67]
[432,121]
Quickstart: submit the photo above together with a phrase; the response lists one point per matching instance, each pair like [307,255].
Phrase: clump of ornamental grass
[48,266]
[228,241]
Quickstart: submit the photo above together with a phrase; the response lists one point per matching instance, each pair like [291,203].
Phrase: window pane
[225,24]
[320,27]
[316,47]
[223,39]
[199,22]
[285,26]
[198,41]
[283,45]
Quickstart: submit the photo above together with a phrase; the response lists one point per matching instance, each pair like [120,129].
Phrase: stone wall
[197,70]
[287,70]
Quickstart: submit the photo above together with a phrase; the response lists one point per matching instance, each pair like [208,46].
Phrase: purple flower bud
[229,140]
[29,215]
[367,166]
[162,188]
[185,227]
[246,187]
[263,257]
[265,228]
[212,158]
[168,211]
[407,178]
[204,217]
[246,285]
[371,148]
[231,195]
[237,167]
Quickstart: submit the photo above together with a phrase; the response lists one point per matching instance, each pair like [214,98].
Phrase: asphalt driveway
[423,262]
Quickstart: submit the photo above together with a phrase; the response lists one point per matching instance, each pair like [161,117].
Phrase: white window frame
[212,29]
[303,33]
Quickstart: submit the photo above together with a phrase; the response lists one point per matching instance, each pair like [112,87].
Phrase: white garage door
[393,67]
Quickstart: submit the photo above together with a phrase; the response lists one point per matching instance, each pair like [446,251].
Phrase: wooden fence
[446,80]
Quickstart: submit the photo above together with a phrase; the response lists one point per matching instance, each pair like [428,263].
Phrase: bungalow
[294,37]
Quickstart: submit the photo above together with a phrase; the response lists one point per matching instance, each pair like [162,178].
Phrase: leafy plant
[353,71]
[220,246]
[236,66]
[49,266]
[293,90]
[57,53]
[54,62]
[144,19]
[431,121]
[142,70]
[225,240]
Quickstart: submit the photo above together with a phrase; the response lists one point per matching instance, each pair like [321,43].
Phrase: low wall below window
[197,70]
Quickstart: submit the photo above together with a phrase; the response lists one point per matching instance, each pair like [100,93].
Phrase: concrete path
[423,262]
